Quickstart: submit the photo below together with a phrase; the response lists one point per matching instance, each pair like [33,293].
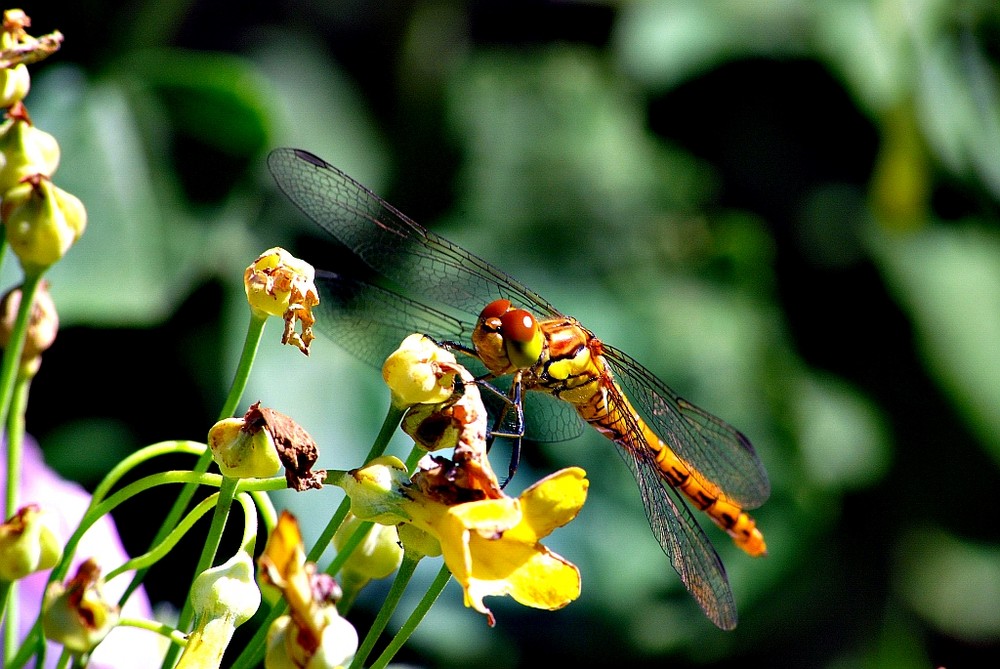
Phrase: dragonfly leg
[512,401]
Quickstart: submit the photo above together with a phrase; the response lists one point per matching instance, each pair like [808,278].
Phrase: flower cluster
[491,542]
[42,220]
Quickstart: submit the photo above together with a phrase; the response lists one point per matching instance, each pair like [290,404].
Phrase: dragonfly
[562,375]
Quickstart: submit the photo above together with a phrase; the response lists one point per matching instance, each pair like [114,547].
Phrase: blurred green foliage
[788,209]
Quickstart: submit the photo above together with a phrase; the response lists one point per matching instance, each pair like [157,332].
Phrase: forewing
[425,264]
[716,451]
[369,321]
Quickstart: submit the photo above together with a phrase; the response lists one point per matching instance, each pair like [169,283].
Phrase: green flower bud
[223,598]
[76,614]
[227,591]
[24,151]
[377,556]
[15,82]
[42,221]
[417,543]
[243,453]
[377,490]
[28,543]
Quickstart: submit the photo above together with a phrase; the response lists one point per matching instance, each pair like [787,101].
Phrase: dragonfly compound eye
[494,309]
[522,337]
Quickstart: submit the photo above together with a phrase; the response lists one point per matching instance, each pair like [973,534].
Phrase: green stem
[15,441]
[181,446]
[166,631]
[426,602]
[226,493]
[15,445]
[389,425]
[64,659]
[350,593]
[255,330]
[392,599]
[151,557]
[15,347]
[8,593]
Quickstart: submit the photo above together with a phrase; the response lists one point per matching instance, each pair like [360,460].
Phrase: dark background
[788,211]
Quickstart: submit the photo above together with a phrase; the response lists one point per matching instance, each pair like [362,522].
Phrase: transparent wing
[422,262]
[716,452]
[369,322]
[681,538]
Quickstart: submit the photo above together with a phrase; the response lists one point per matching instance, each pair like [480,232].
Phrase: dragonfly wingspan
[716,451]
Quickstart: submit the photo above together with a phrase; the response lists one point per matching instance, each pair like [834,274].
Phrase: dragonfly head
[508,338]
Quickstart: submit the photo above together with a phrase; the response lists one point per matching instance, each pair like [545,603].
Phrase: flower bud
[242,453]
[377,556]
[76,614]
[223,598]
[287,649]
[279,284]
[417,543]
[15,82]
[227,591]
[377,490]
[28,543]
[43,324]
[42,222]
[25,151]
[419,372]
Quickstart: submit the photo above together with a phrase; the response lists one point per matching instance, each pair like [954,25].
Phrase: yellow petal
[551,503]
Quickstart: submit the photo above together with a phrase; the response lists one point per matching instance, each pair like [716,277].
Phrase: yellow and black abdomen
[576,373]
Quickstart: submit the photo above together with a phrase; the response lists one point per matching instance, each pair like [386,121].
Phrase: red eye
[518,325]
[494,309]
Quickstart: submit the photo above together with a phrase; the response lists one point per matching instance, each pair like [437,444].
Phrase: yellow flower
[491,542]
[279,284]
[492,546]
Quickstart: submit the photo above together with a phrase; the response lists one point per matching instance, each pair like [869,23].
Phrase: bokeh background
[787,209]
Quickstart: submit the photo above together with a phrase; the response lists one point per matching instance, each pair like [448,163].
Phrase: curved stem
[166,631]
[173,516]
[142,455]
[152,556]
